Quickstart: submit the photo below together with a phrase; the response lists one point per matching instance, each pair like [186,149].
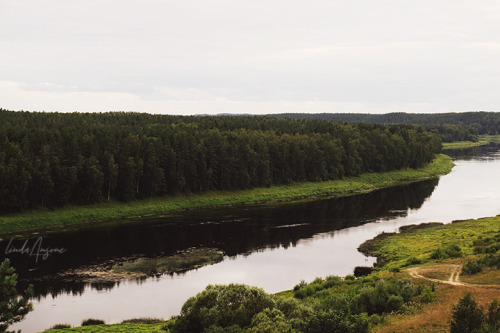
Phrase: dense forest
[52,159]
[463,126]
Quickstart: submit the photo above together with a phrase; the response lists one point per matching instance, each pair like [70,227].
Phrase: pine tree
[12,307]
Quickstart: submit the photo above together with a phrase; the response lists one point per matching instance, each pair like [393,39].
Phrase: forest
[463,126]
[54,159]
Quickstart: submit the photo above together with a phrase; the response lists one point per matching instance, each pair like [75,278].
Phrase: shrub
[60,326]
[472,267]
[362,271]
[491,260]
[394,303]
[335,322]
[447,251]
[426,295]
[269,321]
[302,284]
[91,321]
[467,316]
[493,317]
[413,261]
[376,319]
[223,306]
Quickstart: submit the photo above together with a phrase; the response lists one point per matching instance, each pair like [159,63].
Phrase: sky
[241,56]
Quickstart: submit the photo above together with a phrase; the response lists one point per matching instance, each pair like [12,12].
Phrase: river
[273,247]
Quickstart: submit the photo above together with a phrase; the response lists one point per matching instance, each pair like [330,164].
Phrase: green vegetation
[463,144]
[182,261]
[13,308]
[325,305]
[463,126]
[56,159]
[41,218]
[114,328]
[92,321]
[488,245]
[430,242]
[467,316]
[490,138]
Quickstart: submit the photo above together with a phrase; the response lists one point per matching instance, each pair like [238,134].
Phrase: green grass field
[416,245]
[12,224]
[115,328]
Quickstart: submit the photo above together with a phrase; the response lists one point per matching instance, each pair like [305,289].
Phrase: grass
[13,224]
[490,138]
[482,140]
[435,317]
[463,144]
[115,328]
[395,250]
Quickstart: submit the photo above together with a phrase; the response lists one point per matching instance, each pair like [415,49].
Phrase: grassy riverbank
[43,218]
[419,305]
[430,243]
[483,140]
[442,255]
[464,144]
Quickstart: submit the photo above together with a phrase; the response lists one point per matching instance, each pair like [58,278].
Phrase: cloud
[92,54]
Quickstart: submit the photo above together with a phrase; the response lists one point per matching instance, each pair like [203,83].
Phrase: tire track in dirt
[454,276]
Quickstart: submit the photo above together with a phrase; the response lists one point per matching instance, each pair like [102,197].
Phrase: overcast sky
[255,56]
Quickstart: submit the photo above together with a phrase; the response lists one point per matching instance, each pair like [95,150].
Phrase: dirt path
[453,270]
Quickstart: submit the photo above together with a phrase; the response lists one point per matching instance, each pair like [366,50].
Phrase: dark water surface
[270,247]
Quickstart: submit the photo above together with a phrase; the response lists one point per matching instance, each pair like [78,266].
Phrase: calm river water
[273,247]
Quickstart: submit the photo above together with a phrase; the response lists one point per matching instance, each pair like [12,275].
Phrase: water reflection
[235,231]
[486,152]
[270,247]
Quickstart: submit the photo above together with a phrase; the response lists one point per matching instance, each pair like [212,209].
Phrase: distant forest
[450,126]
[53,159]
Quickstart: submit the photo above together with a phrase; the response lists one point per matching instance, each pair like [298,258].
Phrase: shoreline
[32,222]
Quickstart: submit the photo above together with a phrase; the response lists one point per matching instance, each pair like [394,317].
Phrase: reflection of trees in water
[473,153]
[235,231]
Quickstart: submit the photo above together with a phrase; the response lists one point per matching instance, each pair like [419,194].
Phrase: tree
[467,316]
[12,307]
[223,306]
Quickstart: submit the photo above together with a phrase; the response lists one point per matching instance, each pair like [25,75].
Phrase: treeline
[52,159]
[463,126]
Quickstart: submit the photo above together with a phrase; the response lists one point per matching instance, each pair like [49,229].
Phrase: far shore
[32,222]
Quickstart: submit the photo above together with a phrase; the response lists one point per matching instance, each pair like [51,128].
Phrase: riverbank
[33,221]
[482,140]
[432,287]
[430,243]
[456,258]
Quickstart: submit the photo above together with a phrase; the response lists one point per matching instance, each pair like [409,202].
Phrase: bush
[446,252]
[222,306]
[412,261]
[297,313]
[467,316]
[394,303]
[91,321]
[426,295]
[269,321]
[362,271]
[493,317]
[60,326]
[472,267]
[335,322]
